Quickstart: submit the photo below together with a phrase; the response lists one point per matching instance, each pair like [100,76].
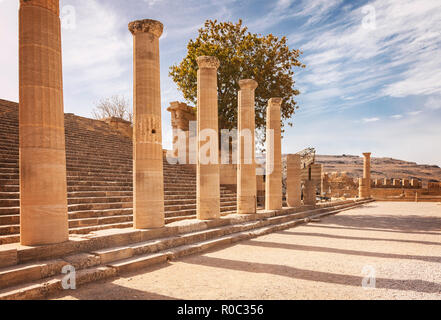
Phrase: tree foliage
[114,106]
[242,55]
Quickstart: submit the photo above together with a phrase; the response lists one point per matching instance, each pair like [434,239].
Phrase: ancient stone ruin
[105,200]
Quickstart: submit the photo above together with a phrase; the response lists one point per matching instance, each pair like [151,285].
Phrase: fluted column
[246,176]
[293,181]
[148,182]
[365,182]
[208,182]
[273,183]
[43,187]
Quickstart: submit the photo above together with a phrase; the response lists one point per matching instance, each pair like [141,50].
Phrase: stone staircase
[99,178]
[36,272]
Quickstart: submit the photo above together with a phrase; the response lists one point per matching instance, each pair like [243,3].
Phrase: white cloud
[414,113]
[399,59]
[367,120]
[397,116]
[433,103]
[9,50]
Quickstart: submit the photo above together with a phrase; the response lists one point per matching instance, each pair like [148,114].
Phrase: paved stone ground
[323,260]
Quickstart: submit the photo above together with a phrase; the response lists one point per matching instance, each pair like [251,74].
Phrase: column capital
[208,62]
[148,26]
[367,154]
[277,102]
[248,84]
[52,5]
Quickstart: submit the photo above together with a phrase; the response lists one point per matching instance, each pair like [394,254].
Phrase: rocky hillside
[381,167]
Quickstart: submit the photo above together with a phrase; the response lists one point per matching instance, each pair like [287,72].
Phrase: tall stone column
[148,182]
[43,187]
[365,182]
[208,182]
[273,186]
[293,181]
[246,173]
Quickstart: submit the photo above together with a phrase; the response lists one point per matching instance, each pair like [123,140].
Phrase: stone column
[293,182]
[365,182]
[208,182]
[43,187]
[246,172]
[316,175]
[148,182]
[309,193]
[273,186]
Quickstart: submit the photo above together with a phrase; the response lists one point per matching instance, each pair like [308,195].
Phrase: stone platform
[35,272]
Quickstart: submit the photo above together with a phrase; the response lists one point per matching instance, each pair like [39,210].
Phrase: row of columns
[43,186]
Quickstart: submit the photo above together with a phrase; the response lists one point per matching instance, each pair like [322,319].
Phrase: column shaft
[43,187]
[208,181]
[309,193]
[148,182]
[365,182]
[246,175]
[293,181]
[273,186]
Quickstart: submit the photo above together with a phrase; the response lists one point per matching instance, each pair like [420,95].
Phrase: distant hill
[381,168]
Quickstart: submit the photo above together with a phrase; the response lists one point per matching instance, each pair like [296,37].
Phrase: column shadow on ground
[316,276]
[333,236]
[299,247]
[106,289]
[407,223]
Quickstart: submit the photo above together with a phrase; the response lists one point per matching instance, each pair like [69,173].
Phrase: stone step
[99,206]
[15,275]
[75,223]
[8,239]
[9,229]
[9,210]
[91,200]
[9,182]
[89,229]
[9,195]
[37,280]
[100,213]
[104,188]
[96,194]
[10,219]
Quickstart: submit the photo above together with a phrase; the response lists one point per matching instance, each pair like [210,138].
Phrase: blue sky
[370,84]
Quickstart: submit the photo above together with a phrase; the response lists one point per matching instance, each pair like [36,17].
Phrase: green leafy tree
[242,55]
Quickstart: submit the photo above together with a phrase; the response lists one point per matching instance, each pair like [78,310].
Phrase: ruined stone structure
[123,126]
[208,193]
[246,184]
[293,181]
[273,187]
[339,185]
[309,193]
[317,176]
[83,176]
[184,148]
[147,165]
[43,188]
